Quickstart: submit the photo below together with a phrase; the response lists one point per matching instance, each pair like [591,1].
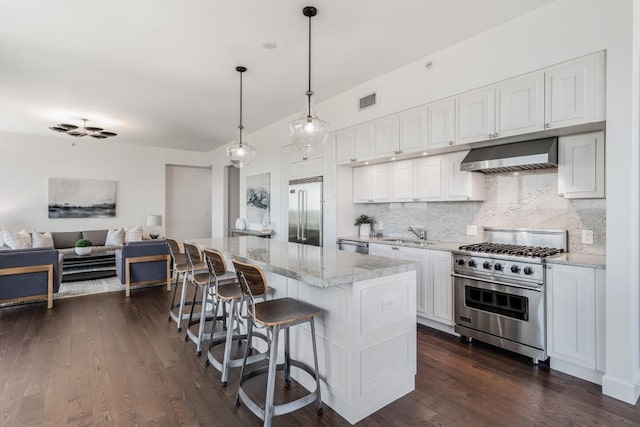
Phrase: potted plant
[364,221]
[83,247]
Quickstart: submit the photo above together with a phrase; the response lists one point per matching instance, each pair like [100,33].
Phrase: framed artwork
[259,198]
[82,198]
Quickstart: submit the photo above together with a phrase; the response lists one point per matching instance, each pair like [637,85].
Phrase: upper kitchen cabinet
[574,92]
[520,105]
[412,130]
[440,124]
[461,185]
[418,180]
[387,137]
[581,166]
[356,143]
[475,115]
[372,184]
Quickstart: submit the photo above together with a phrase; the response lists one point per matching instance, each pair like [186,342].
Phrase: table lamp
[153,221]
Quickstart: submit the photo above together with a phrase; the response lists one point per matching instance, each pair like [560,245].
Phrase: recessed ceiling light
[393,158]
[424,154]
[269,45]
[366,163]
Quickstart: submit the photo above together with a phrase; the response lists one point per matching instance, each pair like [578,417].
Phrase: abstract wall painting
[82,198]
[259,199]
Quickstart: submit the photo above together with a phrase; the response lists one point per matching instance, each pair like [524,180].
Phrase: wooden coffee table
[88,267]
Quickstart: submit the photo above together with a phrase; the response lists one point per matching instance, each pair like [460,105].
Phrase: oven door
[506,311]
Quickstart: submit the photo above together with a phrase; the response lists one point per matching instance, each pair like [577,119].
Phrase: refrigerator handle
[299,219]
[304,213]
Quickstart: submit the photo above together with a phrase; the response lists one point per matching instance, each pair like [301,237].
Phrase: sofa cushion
[27,284]
[115,237]
[42,240]
[19,240]
[96,237]
[143,271]
[133,234]
[65,239]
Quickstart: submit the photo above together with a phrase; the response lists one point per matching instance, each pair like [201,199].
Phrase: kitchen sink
[400,240]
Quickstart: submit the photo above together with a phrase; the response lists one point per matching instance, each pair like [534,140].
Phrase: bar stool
[275,315]
[179,262]
[208,283]
[183,268]
[232,300]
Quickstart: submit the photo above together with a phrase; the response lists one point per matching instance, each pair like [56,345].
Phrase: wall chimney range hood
[517,156]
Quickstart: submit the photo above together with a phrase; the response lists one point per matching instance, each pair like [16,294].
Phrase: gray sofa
[65,241]
[27,274]
[143,263]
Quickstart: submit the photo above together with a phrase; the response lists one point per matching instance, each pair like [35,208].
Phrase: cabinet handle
[304,158]
[561,195]
[397,152]
[490,135]
[451,142]
[497,134]
[395,248]
[547,125]
[353,160]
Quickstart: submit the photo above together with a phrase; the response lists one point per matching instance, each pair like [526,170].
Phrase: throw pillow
[115,237]
[133,234]
[19,240]
[1,238]
[42,240]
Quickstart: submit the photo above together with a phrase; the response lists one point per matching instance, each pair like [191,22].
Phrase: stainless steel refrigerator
[305,211]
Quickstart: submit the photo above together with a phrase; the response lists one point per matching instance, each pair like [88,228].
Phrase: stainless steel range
[499,288]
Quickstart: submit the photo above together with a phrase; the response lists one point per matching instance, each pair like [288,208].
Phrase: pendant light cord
[309,93]
[240,127]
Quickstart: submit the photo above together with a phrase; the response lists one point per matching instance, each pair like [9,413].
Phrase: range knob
[498,266]
[515,269]
[472,263]
[460,262]
[486,265]
[528,270]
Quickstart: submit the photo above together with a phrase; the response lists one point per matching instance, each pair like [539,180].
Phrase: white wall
[188,202]
[27,162]
[560,31]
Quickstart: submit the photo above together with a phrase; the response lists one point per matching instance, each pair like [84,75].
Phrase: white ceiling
[162,73]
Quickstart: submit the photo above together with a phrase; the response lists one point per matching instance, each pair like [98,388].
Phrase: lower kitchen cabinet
[575,320]
[434,287]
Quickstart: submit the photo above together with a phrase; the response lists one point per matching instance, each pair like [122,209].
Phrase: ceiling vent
[367,101]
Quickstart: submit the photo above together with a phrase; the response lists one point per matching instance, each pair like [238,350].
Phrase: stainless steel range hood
[534,154]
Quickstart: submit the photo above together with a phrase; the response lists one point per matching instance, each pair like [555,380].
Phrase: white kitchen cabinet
[575,321]
[439,288]
[421,256]
[475,115]
[520,105]
[461,185]
[305,168]
[413,138]
[403,181]
[372,184]
[429,181]
[355,144]
[387,138]
[574,92]
[581,166]
[440,127]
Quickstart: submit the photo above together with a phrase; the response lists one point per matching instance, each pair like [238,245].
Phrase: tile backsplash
[526,199]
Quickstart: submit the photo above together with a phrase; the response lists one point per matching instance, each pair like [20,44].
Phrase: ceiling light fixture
[74,130]
[240,154]
[308,132]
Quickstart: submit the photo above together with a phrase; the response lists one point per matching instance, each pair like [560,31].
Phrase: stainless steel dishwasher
[353,246]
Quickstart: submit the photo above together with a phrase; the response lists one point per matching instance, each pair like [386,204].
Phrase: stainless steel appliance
[305,211]
[499,288]
[535,154]
[353,246]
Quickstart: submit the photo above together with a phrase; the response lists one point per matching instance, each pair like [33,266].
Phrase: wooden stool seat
[282,311]
[228,293]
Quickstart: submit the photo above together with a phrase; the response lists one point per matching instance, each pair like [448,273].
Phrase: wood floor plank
[106,360]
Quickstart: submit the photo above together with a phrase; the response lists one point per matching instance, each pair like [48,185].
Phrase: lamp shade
[154,220]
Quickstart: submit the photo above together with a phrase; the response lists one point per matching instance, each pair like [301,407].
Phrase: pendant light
[240,154]
[308,132]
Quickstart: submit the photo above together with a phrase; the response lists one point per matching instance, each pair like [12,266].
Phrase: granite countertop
[252,232]
[321,267]
[580,260]
[438,246]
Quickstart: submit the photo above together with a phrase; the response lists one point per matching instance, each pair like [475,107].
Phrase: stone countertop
[579,260]
[438,246]
[252,232]
[321,267]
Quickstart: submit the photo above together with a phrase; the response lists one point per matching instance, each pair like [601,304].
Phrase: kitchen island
[366,334]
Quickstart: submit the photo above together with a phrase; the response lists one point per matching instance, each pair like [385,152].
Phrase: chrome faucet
[420,233]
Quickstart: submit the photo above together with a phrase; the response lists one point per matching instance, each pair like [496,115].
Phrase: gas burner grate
[515,250]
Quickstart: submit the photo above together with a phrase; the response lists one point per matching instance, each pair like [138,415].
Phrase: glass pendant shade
[241,154]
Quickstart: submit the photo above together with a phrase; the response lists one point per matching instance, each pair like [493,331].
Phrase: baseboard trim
[621,389]
[586,374]
[437,325]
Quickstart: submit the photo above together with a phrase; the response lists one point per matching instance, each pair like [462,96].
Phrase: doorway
[233,196]
[188,202]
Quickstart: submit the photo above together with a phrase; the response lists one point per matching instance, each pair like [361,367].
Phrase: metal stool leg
[193,304]
[183,298]
[287,359]
[203,319]
[173,298]
[228,344]
[271,378]
[315,363]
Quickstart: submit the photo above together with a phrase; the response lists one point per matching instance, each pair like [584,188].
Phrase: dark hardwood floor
[101,359]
